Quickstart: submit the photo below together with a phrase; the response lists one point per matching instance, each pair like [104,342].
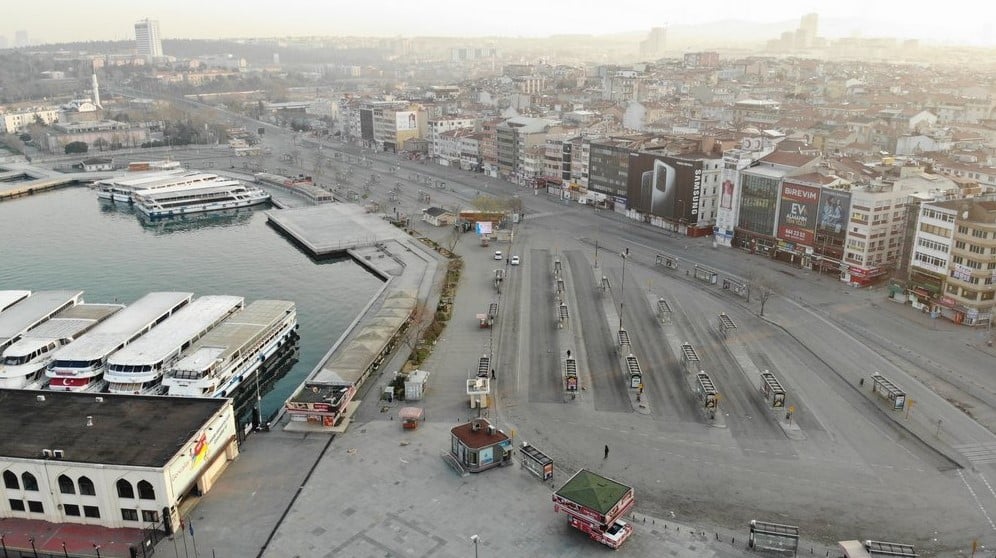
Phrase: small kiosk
[595,505]
[478,446]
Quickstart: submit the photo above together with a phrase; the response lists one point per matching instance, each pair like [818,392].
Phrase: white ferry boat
[33,310]
[138,368]
[79,366]
[10,298]
[123,190]
[22,365]
[217,364]
[183,200]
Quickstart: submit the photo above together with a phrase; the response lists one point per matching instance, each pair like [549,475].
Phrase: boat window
[10,480]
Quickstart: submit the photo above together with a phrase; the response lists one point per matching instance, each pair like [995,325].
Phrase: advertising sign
[664,186]
[405,121]
[797,218]
[834,209]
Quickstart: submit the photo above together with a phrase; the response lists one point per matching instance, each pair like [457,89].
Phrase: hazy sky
[963,21]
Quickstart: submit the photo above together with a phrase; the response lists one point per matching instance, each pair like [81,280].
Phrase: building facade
[12,122]
[110,460]
[148,42]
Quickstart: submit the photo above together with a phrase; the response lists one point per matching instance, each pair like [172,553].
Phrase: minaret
[96,90]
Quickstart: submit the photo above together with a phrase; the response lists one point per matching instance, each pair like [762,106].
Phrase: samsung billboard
[664,186]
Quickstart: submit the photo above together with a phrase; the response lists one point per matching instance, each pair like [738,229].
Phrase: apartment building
[516,139]
[11,122]
[953,266]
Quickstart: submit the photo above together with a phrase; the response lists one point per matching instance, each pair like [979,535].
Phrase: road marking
[983,509]
[978,453]
[981,476]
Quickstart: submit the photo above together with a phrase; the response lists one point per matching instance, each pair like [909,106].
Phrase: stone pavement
[377,490]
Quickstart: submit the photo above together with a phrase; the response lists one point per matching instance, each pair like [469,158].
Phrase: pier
[325,400]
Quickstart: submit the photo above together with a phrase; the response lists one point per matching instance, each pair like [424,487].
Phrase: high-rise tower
[147,39]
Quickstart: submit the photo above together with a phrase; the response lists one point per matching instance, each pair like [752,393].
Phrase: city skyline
[960,23]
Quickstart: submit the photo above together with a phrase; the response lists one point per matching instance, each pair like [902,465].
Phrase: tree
[761,287]
[77,147]
[100,143]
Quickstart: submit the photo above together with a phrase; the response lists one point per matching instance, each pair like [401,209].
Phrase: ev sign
[797,218]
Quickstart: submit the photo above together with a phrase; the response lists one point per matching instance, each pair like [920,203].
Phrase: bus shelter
[623,344]
[703,273]
[773,536]
[663,311]
[707,391]
[772,389]
[571,376]
[889,391]
[689,358]
[727,328]
[536,462]
[634,371]
[484,366]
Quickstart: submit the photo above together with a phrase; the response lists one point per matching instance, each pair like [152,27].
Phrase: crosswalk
[978,453]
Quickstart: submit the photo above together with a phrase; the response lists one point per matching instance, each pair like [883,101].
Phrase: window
[91,511]
[30,482]
[129,514]
[124,489]
[145,490]
[66,485]
[150,516]
[71,509]
[10,480]
[16,505]
[35,507]
[86,487]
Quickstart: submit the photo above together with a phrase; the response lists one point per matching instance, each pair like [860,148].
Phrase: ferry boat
[230,353]
[138,368]
[121,189]
[80,365]
[22,365]
[10,298]
[33,310]
[183,200]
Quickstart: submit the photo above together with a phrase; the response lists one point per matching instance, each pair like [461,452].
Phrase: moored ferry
[217,364]
[138,368]
[121,189]
[80,365]
[221,194]
[31,311]
[22,365]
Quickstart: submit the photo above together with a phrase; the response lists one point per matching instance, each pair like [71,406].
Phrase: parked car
[498,255]
[515,260]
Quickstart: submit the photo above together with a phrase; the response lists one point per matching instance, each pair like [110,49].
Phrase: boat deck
[31,311]
[123,326]
[9,298]
[240,330]
[71,322]
[187,324]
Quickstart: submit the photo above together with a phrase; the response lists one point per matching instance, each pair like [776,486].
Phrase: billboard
[664,186]
[797,217]
[404,121]
[834,208]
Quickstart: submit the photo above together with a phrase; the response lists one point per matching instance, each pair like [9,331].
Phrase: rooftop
[127,430]
[593,491]
[479,438]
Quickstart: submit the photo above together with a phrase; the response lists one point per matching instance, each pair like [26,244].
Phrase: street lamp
[475,538]
[622,288]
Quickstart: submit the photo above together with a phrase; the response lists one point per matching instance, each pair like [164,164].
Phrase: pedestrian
[861,382]
[492,373]
[606,452]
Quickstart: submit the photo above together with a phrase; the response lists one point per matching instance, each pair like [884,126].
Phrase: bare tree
[761,287]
